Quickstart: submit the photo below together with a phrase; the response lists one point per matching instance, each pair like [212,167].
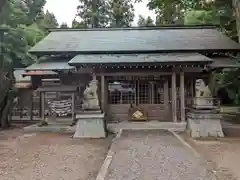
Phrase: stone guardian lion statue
[203,94]
[90,96]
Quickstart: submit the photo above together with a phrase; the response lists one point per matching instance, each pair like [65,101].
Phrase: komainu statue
[203,94]
[90,96]
[201,89]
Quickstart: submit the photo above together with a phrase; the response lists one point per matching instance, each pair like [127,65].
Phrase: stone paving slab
[155,155]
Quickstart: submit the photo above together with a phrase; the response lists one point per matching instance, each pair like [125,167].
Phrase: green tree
[236,5]
[33,8]
[78,25]
[5,81]
[46,20]
[226,12]
[2,4]
[13,14]
[173,11]
[93,13]
[194,17]
[168,11]
[103,13]
[64,25]
[21,35]
[120,12]
[142,22]
[26,24]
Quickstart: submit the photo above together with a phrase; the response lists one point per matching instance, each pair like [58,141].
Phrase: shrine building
[143,73]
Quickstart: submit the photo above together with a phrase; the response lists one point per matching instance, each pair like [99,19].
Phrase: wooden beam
[182,97]
[134,74]
[174,97]
[103,85]
[192,69]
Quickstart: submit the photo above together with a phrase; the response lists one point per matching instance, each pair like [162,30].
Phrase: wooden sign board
[137,114]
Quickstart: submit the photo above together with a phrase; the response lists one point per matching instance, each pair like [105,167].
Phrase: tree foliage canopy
[27,24]
[105,13]
[225,13]
[145,22]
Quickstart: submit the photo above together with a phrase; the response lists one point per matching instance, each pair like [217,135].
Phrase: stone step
[201,111]
[90,126]
[90,116]
[204,107]
[204,116]
[89,112]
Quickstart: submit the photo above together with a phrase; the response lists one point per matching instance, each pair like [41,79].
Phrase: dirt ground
[49,156]
[223,152]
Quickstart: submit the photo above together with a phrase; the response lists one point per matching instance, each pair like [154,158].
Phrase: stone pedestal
[203,103]
[204,123]
[90,125]
[203,119]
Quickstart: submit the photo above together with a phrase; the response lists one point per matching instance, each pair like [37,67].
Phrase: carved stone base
[90,126]
[204,123]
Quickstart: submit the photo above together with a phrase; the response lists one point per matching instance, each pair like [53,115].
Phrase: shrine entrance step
[146,125]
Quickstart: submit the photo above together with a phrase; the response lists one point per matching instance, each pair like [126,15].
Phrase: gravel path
[152,155]
[223,152]
[50,157]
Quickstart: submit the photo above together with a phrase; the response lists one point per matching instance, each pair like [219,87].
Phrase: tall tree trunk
[2,3]
[236,4]
[6,93]
[95,20]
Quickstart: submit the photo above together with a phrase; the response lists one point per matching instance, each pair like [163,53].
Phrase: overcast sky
[65,10]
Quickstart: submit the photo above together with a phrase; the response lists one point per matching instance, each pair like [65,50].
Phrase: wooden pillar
[151,92]
[31,107]
[136,92]
[21,96]
[192,90]
[192,87]
[73,106]
[103,94]
[182,97]
[174,97]
[166,94]
[42,97]
[40,105]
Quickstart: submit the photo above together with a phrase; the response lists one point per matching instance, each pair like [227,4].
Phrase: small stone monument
[90,123]
[204,119]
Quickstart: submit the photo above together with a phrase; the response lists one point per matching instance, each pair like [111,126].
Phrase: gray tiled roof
[138,58]
[50,65]
[165,39]
[225,63]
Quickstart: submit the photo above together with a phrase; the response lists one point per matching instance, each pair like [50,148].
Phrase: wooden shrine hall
[142,73]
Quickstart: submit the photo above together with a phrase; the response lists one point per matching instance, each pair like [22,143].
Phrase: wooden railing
[23,112]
